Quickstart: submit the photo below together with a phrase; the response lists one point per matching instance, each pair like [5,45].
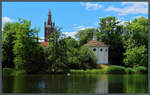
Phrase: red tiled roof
[45,44]
[95,43]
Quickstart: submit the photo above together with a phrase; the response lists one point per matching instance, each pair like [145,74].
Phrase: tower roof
[49,18]
[95,43]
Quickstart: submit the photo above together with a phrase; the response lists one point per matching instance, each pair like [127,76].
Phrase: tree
[26,49]
[111,34]
[72,53]
[136,56]
[9,32]
[57,60]
[88,58]
[85,35]
[136,44]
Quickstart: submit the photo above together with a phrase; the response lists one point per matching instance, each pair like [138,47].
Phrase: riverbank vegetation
[128,48]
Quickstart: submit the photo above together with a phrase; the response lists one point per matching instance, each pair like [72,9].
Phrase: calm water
[76,84]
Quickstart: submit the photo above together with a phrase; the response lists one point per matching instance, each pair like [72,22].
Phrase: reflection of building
[48,29]
[100,49]
[102,84]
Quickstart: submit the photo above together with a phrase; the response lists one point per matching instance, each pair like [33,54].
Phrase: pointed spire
[49,13]
[49,18]
[54,23]
[45,22]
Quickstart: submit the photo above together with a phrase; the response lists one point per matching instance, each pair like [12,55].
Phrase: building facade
[100,49]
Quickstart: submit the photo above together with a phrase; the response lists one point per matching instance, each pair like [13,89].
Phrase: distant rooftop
[94,43]
[45,44]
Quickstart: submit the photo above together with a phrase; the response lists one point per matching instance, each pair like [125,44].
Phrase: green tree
[72,53]
[136,56]
[28,53]
[57,60]
[111,34]
[136,44]
[85,35]
[8,36]
[88,58]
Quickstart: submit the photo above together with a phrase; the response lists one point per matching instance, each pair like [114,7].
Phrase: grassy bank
[108,69]
[113,70]
[12,72]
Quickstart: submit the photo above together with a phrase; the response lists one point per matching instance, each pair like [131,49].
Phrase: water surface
[76,84]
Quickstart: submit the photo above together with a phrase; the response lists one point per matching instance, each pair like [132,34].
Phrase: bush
[6,71]
[130,70]
[88,71]
[115,70]
[19,72]
[141,70]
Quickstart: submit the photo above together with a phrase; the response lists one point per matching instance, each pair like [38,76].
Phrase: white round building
[100,49]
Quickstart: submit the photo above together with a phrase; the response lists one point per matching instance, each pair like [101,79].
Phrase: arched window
[101,49]
[94,49]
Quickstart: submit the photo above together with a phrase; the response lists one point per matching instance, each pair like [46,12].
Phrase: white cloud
[122,22]
[41,39]
[139,17]
[6,19]
[74,24]
[130,8]
[71,34]
[92,6]
[76,29]
[81,27]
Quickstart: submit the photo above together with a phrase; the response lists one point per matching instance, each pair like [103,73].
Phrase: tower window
[94,49]
[106,50]
[101,49]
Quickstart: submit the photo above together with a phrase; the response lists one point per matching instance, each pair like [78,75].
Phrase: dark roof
[95,43]
[45,44]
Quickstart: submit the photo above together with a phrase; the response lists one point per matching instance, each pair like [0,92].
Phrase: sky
[71,16]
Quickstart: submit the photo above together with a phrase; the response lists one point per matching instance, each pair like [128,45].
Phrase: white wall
[102,56]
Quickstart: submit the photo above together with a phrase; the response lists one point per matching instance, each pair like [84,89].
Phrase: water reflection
[102,84]
[76,84]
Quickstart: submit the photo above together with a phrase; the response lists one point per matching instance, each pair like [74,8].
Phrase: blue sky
[71,16]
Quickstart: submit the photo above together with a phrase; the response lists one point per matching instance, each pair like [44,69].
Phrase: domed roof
[95,43]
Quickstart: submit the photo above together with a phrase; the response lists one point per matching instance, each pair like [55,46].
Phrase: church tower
[48,27]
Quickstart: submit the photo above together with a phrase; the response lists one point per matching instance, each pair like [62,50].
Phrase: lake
[76,84]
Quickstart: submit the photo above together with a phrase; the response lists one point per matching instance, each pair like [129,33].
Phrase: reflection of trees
[82,84]
[7,84]
[115,83]
[128,83]
[76,84]
[56,84]
[19,84]
[136,84]
[28,84]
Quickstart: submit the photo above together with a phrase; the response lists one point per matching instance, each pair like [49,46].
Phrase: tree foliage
[26,49]
[110,34]
[128,45]
[136,45]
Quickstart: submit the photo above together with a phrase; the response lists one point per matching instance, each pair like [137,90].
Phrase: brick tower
[48,27]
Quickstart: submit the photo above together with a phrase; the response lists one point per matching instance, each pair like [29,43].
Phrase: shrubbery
[130,70]
[115,70]
[141,69]
[7,71]
[89,71]
[12,72]
[18,72]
